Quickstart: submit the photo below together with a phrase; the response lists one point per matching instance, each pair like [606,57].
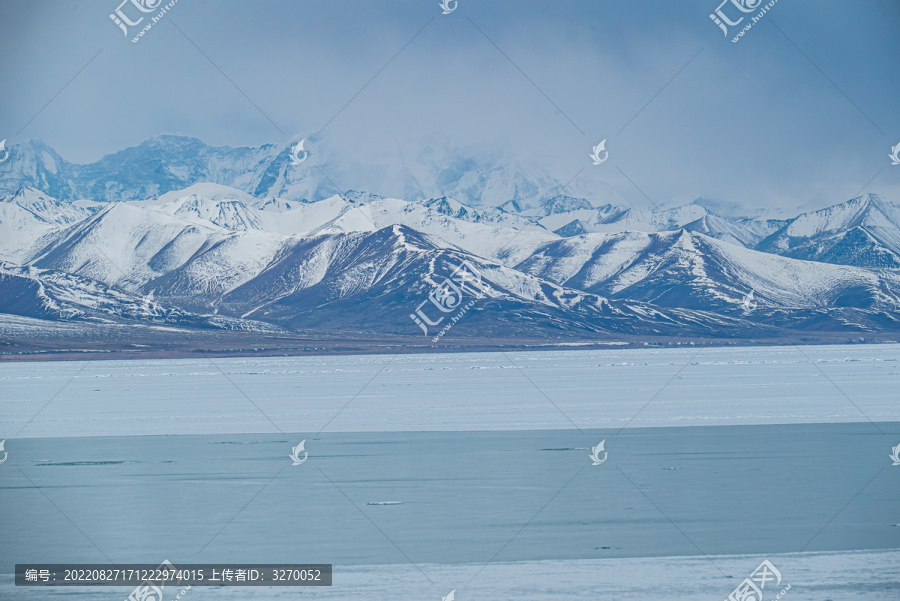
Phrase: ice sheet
[448,392]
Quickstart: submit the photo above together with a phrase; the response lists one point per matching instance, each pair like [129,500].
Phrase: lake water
[466,472]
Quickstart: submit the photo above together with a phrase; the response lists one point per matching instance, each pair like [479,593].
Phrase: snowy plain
[453,392]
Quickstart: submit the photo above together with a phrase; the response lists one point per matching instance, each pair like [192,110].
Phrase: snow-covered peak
[209,204]
[722,207]
[28,216]
[867,210]
[448,206]
[487,233]
[686,269]
[209,191]
[229,214]
[46,208]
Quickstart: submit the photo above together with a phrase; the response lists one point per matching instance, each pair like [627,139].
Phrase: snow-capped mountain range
[260,244]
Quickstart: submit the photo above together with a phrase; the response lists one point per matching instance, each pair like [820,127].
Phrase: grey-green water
[448,497]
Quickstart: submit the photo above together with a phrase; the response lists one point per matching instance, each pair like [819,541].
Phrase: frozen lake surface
[447,392]
[465,472]
[461,499]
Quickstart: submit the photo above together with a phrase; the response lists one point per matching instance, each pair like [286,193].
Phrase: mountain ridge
[360,260]
[245,238]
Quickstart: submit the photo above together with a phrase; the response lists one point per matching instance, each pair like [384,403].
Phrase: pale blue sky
[755,122]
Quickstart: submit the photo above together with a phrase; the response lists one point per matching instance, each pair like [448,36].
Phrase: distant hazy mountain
[157,166]
[164,164]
